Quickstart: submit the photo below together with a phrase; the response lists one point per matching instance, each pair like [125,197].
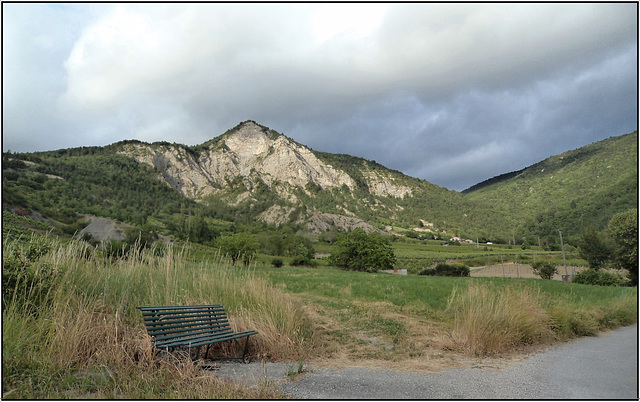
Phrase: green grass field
[386,305]
[423,293]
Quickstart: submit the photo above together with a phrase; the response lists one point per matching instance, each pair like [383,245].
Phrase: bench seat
[191,327]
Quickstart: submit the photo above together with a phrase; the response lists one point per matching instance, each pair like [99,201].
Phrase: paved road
[604,367]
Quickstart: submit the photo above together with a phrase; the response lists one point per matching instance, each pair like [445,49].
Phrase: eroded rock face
[250,152]
[316,222]
[383,185]
[233,165]
[102,229]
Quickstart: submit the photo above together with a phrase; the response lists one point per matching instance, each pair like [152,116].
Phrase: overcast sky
[450,93]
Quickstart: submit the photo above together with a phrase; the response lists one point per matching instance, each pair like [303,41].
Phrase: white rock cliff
[250,152]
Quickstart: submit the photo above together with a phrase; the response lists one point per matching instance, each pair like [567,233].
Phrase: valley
[90,233]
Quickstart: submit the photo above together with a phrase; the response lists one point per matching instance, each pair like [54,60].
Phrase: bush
[114,248]
[443,269]
[305,255]
[545,269]
[299,261]
[25,279]
[277,262]
[359,251]
[623,228]
[595,248]
[239,246]
[598,277]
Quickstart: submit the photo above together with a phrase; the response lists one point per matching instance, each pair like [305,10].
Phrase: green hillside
[60,186]
[567,192]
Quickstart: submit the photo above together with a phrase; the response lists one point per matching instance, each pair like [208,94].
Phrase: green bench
[171,327]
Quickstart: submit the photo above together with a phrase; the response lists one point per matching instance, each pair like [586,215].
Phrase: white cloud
[364,50]
[360,20]
[405,84]
[134,51]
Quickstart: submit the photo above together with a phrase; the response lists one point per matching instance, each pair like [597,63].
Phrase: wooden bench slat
[166,318]
[185,323]
[206,339]
[170,341]
[222,339]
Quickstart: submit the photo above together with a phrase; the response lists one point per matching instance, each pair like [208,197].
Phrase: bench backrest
[172,322]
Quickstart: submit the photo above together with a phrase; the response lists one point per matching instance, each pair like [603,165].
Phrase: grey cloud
[453,93]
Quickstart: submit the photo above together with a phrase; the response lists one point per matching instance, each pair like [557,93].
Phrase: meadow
[383,304]
[71,329]
[415,255]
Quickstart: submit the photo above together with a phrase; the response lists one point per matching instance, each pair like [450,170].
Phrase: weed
[294,370]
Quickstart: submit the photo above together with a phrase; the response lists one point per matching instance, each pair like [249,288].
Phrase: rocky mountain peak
[234,165]
[250,151]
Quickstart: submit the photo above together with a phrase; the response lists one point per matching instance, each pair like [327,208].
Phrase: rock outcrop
[241,162]
[250,152]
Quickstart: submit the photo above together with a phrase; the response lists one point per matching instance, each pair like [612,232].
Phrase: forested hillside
[63,185]
[180,191]
[568,192]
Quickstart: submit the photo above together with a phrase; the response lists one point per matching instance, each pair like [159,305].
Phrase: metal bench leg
[244,353]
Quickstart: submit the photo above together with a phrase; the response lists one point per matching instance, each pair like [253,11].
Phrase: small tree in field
[595,248]
[239,246]
[623,228]
[359,251]
[545,269]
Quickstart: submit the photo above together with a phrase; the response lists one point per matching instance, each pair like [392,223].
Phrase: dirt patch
[104,229]
[378,335]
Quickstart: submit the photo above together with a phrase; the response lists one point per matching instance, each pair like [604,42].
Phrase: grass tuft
[489,319]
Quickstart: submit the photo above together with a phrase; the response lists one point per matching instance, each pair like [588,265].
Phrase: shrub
[299,261]
[545,269]
[277,262]
[114,248]
[239,246]
[443,269]
[598,277]
[359,251]
[623,228]
[25,279]
[595,248]
[305,255]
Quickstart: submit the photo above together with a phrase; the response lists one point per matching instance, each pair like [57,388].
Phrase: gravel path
[604,367]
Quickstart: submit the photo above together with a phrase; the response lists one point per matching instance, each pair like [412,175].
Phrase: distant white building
[461,240]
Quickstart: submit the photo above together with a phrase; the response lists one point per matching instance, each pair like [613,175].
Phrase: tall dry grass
[489,319]
[87,339]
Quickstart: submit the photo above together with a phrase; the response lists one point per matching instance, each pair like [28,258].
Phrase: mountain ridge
[257,154]
[587,184]
[251,173]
